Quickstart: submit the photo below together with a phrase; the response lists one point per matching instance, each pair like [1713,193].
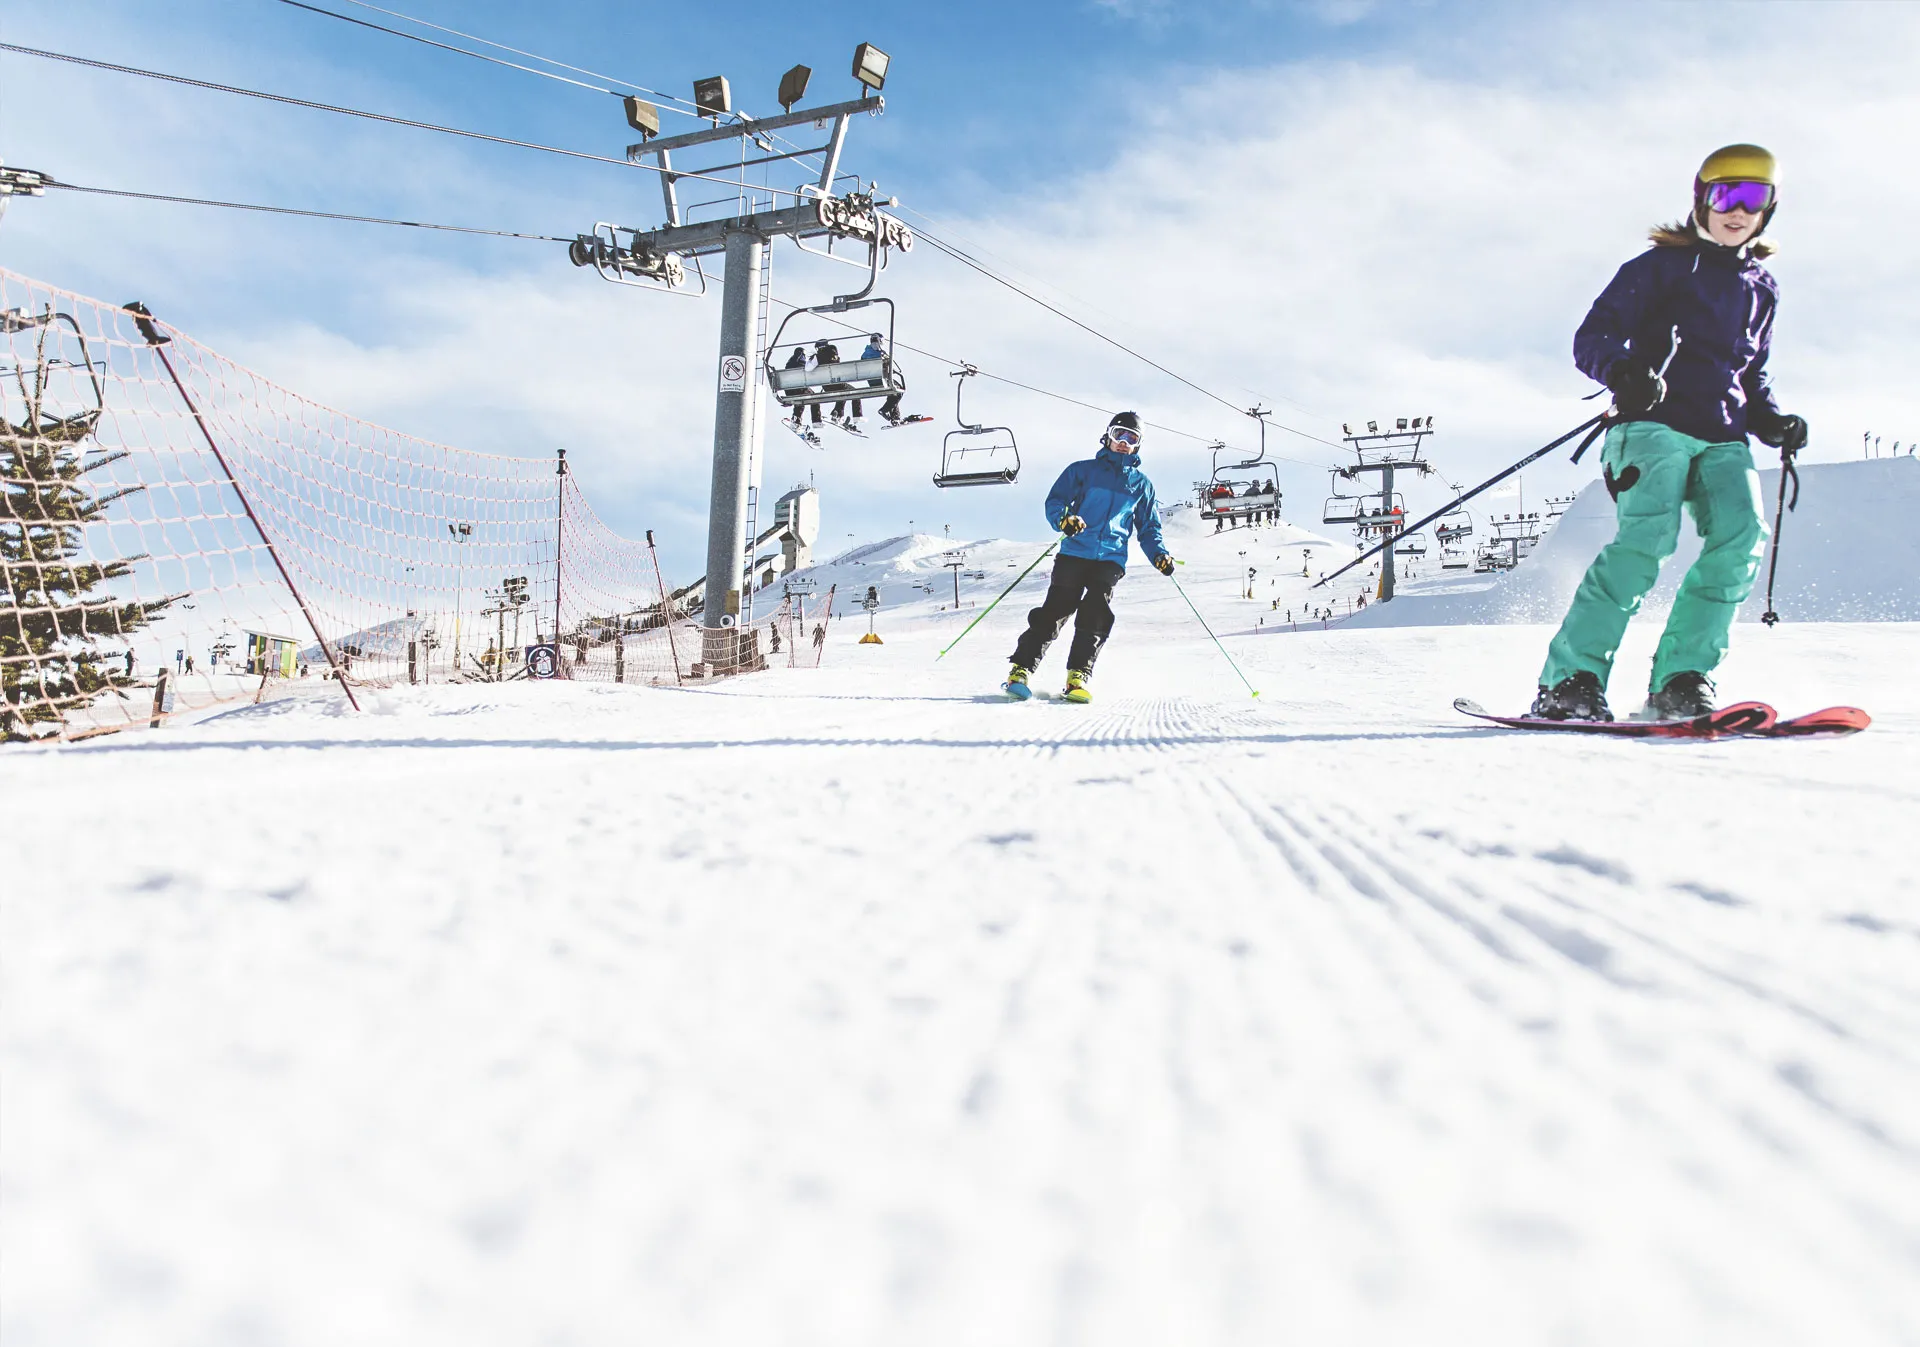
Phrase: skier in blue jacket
[1099,503]
[1681,336]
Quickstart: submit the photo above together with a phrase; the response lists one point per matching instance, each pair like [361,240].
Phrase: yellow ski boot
[1077,689]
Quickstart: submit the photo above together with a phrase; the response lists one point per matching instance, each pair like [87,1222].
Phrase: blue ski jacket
[1718,304]
[1115,498]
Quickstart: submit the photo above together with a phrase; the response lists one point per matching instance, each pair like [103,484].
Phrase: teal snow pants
[1652,471]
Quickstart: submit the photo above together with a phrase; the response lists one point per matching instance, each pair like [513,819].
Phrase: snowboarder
[826,353]
[890,408]
[798,360]
[1681,337]
[1099,503]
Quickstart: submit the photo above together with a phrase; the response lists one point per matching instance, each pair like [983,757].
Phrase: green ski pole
[1003,594]
[1216,640]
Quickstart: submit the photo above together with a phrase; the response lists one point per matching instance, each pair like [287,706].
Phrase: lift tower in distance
[1386,452]
[657,259]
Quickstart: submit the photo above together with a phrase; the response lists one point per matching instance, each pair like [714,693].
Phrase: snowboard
[1834,720]
[810,438]
[1740,718]
[917,419]
[1754,719]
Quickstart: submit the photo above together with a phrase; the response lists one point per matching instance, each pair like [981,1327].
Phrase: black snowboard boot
[1576,697]
[1685,696]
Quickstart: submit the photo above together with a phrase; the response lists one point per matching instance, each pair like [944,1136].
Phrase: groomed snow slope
[1850,553]
[858,1006]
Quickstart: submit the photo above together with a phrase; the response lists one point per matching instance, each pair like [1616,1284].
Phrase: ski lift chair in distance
[1240,490]
[975,439]
[1454,525]
[1340,507]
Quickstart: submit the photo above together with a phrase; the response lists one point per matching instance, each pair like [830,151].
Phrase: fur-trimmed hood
[1685,234]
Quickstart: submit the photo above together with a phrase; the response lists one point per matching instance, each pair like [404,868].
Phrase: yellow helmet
[1738,163]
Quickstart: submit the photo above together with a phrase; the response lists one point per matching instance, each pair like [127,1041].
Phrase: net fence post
[144,321]
[559,551]
[666,608]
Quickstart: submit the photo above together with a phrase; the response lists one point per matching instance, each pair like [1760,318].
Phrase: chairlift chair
[1454,525]
[840,380]
[975,439]
[1237,490]
[1365,512]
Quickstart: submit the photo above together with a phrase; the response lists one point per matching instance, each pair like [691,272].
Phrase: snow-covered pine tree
[51,619]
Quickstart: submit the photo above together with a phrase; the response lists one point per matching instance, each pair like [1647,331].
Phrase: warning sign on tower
[733,374]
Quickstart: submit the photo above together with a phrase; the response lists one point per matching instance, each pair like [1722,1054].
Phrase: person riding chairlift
[798,360]
[826,353]
[890,409]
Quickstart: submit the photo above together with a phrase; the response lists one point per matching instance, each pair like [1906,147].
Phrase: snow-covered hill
[1850,553]
[860,1006]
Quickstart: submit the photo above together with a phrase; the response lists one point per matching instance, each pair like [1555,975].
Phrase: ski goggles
[1752,197]
[1124,435]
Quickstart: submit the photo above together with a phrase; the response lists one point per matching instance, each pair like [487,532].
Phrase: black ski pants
[1081,590]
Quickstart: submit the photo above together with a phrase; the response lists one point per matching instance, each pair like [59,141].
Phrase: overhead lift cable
[966,260]
[1045,286]
[687,107]
[347,112]
[311,214]
[448,46]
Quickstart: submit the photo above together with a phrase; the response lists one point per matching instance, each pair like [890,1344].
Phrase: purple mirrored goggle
[1752,197]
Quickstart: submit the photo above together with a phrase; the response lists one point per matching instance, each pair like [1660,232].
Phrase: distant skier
[1681,336]
[1099,503]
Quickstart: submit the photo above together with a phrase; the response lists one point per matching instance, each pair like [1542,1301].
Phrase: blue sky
[1347,209]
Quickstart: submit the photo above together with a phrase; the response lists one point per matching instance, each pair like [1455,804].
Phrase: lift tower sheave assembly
[1383,452]
[657,258]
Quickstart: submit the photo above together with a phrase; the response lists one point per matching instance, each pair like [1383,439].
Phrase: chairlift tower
[1385,452]
[955,561]
[658,259]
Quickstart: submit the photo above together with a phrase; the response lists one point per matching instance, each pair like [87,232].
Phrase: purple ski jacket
[1720,302]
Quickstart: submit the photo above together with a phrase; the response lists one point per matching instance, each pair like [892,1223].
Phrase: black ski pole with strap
[1780,511]
[1594,428]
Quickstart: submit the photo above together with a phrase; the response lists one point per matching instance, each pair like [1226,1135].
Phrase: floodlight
[1373,427]
[711,97]
[870,66]
[793,87]
[1345,429]
[643,117]
[1402,424]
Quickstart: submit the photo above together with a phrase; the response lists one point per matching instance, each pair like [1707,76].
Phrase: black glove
[1072,524]
[1788,434]
[1636,388]
[1165,564]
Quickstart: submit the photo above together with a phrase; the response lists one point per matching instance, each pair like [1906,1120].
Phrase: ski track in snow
[860,1005]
